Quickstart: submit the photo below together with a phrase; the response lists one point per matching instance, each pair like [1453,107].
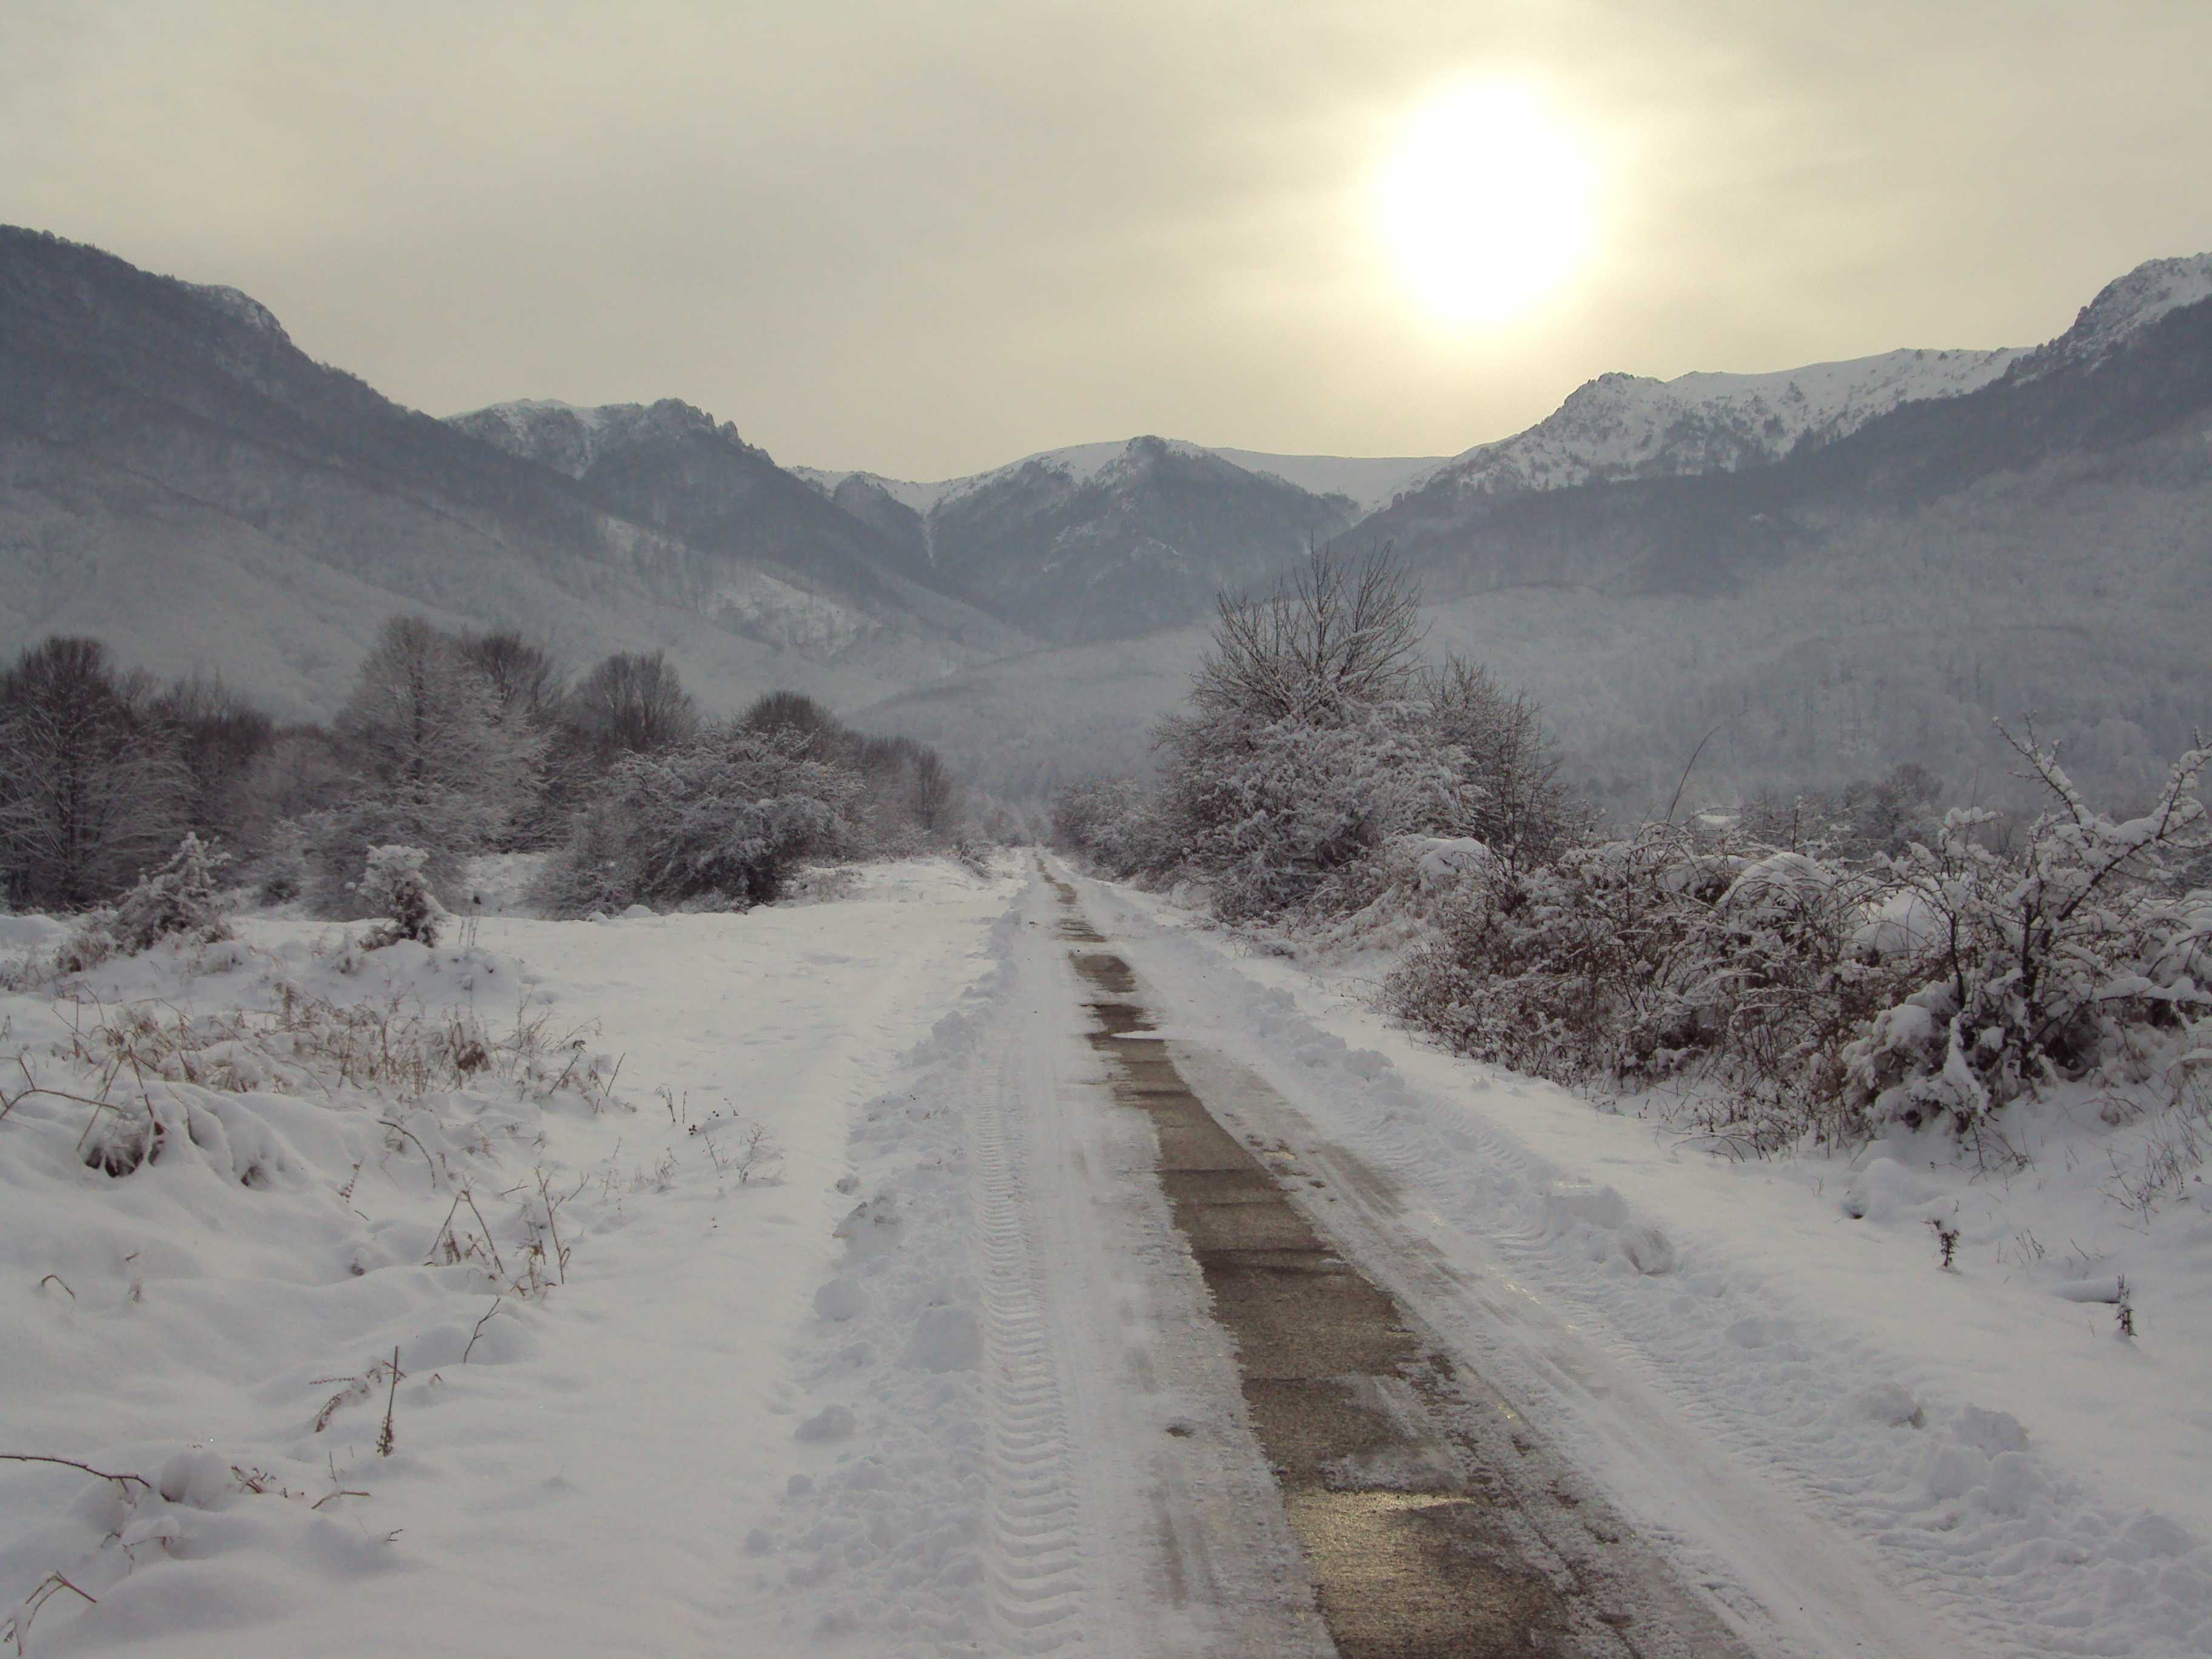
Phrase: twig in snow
[553,1225]
[400,1129]
[387,1440]
[55,1279]
[72,1463]
[490,1243]
[478,1332]
[444,1232]
[18,1626]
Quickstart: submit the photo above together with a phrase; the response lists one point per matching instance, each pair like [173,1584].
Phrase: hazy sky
[925,239]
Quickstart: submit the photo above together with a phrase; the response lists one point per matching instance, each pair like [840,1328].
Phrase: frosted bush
[1812,995]
[394,886]
[180,901]
[2034,966]
[722,820]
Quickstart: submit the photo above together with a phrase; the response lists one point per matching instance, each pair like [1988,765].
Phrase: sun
[1485,203]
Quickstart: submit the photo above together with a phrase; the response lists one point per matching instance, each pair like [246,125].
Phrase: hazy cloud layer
[926,238]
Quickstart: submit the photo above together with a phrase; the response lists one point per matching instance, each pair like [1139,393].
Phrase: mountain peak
[570,438]
[240,308]
[1621,426]
[2128,305]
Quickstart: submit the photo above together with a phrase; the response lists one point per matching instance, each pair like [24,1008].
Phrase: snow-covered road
[945,1376]
[1851,1452]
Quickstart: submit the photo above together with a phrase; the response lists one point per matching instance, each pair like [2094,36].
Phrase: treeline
[1821,965]
[454,745]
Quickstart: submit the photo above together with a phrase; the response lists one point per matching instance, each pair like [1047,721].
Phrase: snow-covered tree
[1515,803]
[632,703]
[1314,739]
[433,763]
[394,886]
[92,791]
[722,817]
[180,901]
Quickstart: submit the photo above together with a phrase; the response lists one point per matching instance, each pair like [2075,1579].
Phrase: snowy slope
[1367,481]
[2125,307]
[1628,426]
[1074,465]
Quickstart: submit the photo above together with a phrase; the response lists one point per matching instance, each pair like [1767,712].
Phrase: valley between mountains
[1734,558]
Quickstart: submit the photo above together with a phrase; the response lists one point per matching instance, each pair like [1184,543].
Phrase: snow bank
[241,1188]
[885,1539]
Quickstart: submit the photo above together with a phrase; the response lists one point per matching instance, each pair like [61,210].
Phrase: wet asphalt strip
[1427,1529]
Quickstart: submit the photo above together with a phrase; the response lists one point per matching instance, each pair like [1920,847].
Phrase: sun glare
[1485,203]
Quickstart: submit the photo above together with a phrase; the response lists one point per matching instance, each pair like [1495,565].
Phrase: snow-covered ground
[586,1479]
[935,1374]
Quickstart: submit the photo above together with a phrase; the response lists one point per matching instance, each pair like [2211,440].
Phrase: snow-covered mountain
[2124,309]
[2037,543]
[1367,481]
[1099,541]
[178,479]
[675,468]
[1630,426]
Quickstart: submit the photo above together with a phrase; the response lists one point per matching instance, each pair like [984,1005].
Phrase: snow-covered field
[931,1373]
[577,1472]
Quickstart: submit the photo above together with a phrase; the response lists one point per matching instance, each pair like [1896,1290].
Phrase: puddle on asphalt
[1415,1551]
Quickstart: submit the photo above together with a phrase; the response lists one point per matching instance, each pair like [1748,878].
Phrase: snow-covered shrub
[1782,983]
[591,872]
[1635,961]
[1817,995]
[723,818]
[394,886]
[1574,970]
[180,901]
[2035,965]
[1274,816]
[337,841]
[1112,822]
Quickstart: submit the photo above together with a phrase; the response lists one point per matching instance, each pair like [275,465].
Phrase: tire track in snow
[1037,1569]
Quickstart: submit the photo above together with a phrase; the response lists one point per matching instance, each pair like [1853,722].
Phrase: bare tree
[219,736]
[525,683]
[92,792]
[1339,634]
[820,732]
[1519,806]
[634,703]
[932,797]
